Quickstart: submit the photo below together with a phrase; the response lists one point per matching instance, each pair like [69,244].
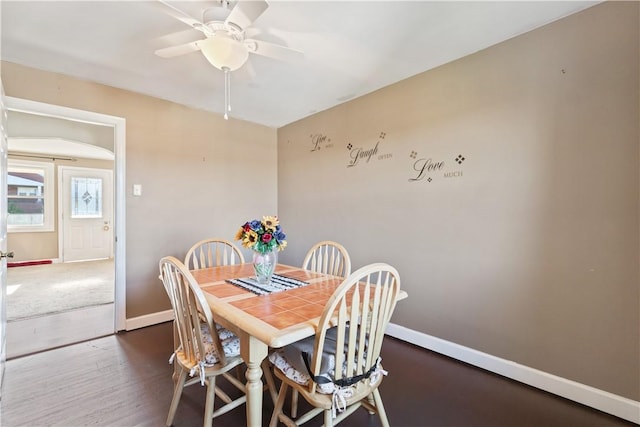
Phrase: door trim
[119,125]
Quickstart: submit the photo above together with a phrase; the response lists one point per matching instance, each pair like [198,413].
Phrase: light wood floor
[125,380]
[40,333]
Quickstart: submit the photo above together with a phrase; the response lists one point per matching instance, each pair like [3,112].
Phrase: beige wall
[528,249]
[201,176]
[44,245]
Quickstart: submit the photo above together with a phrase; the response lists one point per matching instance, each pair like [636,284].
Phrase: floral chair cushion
[294,361]
[230,344]
[290,360]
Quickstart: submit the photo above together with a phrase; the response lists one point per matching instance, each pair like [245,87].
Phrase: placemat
[278,284]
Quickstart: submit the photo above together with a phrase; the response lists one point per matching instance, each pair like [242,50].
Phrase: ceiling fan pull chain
[228,90]
[227,94]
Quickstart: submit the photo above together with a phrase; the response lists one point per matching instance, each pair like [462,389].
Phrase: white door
[3,237]
[86,211]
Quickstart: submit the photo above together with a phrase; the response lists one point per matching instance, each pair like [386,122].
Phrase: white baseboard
[601,400]
[149,320]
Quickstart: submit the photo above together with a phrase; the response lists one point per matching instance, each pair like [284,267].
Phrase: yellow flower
[270,222]
[250,238]
[239,234]
[282,245]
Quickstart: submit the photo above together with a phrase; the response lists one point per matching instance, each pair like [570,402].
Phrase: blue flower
[279,235]
[262,236]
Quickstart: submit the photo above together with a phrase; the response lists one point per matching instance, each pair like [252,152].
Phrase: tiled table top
[281,309]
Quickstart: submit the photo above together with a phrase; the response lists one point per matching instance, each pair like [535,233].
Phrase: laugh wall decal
[361,155]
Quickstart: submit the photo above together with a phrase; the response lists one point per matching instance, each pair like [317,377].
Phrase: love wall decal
[429,170]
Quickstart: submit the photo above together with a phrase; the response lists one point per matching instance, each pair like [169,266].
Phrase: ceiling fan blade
[250,72]
[272,50]
[183,17]
[181,49]
[245,13]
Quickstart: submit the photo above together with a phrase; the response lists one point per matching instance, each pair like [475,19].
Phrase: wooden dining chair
[329,258]
[215,252]
[349,336]
[205,350]
[212,253]
[326,257]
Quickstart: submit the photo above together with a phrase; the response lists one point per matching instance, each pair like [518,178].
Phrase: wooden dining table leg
[253,352]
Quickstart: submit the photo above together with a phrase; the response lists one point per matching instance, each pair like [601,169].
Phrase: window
[30,194]
[86,197]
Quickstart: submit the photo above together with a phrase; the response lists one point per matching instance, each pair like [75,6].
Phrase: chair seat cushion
[230,344]
[290,360]
[297,375]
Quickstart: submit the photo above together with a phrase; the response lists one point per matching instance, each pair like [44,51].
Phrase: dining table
[265,318]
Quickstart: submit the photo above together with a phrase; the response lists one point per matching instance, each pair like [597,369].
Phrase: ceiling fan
[225,45]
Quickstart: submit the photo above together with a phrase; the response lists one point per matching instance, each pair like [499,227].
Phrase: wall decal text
[319,141]
[429,169]
[359,155]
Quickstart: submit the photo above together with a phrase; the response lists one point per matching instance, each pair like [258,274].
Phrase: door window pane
[86,197]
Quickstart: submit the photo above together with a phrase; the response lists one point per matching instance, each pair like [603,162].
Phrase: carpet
[26,263]
[43,289]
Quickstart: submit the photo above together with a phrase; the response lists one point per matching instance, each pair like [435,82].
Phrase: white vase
[264,265]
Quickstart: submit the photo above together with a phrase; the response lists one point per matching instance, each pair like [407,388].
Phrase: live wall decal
[429,170]
[319,141]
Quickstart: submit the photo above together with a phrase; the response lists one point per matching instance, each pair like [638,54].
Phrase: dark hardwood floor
[125,380]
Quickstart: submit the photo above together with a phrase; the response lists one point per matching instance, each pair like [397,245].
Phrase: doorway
[71,326]
[85,213]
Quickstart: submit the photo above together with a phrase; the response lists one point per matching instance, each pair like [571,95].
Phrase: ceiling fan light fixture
[224,52]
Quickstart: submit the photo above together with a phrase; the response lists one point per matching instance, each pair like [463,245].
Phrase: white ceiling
[351,48]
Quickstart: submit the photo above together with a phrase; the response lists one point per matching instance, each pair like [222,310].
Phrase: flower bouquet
[265,238]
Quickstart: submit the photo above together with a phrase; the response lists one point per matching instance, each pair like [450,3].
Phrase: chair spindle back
[329,258]
[190,309]
[212,253]
[359,312]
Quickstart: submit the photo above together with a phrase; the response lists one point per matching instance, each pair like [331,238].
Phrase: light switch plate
[137,190]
